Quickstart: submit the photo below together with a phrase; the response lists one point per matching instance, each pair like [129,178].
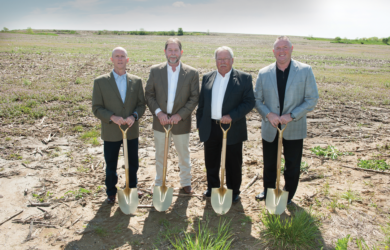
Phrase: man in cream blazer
[172,93]
[285,92]
[118,99]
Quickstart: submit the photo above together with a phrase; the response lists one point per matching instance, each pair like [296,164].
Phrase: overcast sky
[319,18]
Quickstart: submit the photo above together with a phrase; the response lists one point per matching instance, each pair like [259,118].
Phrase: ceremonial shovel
[162,196]
[127,198]
[276,201]
[221,198]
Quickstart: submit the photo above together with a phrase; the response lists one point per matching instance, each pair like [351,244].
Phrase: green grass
[300,231]
[78,194]
[342,244]
[101,232]
[328,152]
[205,238]
[373,164]
[91,137]
[351,196]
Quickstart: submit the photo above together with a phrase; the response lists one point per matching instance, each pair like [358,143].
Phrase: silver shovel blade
[162,200]
[276,204]
[221,200]
[128,203]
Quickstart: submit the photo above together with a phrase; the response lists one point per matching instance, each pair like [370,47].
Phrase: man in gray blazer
[172,93]
[226,97]
[285,92]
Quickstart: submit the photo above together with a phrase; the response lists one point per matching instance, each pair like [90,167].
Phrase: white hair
[118,48]
[222,49]
[283,38]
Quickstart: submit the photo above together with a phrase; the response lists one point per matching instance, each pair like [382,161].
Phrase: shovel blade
[221,200]
[276,201]
[128,200]
[162,198]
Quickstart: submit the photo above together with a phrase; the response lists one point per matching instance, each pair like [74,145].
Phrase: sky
[318,18]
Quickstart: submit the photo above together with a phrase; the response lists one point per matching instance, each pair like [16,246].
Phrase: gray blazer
[301,97]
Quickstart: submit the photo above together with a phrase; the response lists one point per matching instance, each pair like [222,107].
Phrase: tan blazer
[107,101]
[186,98]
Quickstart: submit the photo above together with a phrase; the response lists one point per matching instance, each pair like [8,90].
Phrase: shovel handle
[166,148]
[224,142]
[279,160]
[124,132]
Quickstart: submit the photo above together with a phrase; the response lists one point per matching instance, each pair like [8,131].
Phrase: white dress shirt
[218,93]
[173,78]
[121,83]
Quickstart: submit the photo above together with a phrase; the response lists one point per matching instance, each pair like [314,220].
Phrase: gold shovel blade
[221,199]
[162,198]
[128,200]
[276,201]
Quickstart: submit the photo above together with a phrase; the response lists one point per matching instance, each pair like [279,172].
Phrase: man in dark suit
[118,99]
[226,97]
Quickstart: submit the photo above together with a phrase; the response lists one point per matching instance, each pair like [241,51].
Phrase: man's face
[119,59]
[224,62]
[173,53]
[283,51]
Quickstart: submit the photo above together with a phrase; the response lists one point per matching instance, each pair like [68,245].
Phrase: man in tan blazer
[118,100]
[172,93]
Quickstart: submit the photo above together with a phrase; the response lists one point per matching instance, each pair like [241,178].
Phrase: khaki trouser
[182,148]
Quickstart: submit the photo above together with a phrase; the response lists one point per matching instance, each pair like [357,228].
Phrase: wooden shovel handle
[279,160]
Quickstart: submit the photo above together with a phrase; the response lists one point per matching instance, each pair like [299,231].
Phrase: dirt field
[50,150]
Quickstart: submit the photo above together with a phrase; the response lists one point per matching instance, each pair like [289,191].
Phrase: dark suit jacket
[107,101]
[239,100]
[186,98]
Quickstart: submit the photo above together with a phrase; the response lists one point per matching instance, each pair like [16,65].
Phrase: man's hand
[274,119]
[174,119]
[286,118]
[130,121]
[117,120]
[163,118]
[226,119]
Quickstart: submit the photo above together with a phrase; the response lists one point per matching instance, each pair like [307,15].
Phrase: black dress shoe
[289,202]
[261,196]
[236,198]
[207,194]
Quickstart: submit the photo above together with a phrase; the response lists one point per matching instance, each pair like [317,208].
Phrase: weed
[342,244]
[386,231]
[373,164]
[26,82]
[78,194]
[7,138]
[326,188]
[204,238]
[15,156]
[298,232]
[327,152]
[101,231]
[78,128]
[82,169]
[304,167]
[351,196]
[78,81]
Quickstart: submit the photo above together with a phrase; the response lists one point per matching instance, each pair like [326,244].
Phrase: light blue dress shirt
[121,83]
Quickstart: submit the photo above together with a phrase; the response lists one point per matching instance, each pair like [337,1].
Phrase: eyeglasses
[223,59]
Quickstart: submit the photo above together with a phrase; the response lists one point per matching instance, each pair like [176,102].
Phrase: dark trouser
[111,152]
[212,155]
[292,154]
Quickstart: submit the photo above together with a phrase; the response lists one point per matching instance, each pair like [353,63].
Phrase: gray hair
[222,49]
[283,38]
[118,48]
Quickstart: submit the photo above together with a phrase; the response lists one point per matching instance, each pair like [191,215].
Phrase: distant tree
[171,33]
[141,32]
[5,29]
[385,40]
[30,30]
[180,32]
[337,39]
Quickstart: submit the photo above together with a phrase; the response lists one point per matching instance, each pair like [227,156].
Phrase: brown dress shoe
[188,189]
[111,199]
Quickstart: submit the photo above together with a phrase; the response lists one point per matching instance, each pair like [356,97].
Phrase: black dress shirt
[281,78]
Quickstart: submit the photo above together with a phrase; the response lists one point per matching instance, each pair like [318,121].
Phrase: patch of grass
[78,128]
[83,169]
[91,137]
[351,196]
[300,231]
[78,194]
[328,152]
[204,238]
[7,138]
[15,156]
[26,82]
[373,164]
[101,231]
[342,244]
[78,80]
[386,231]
